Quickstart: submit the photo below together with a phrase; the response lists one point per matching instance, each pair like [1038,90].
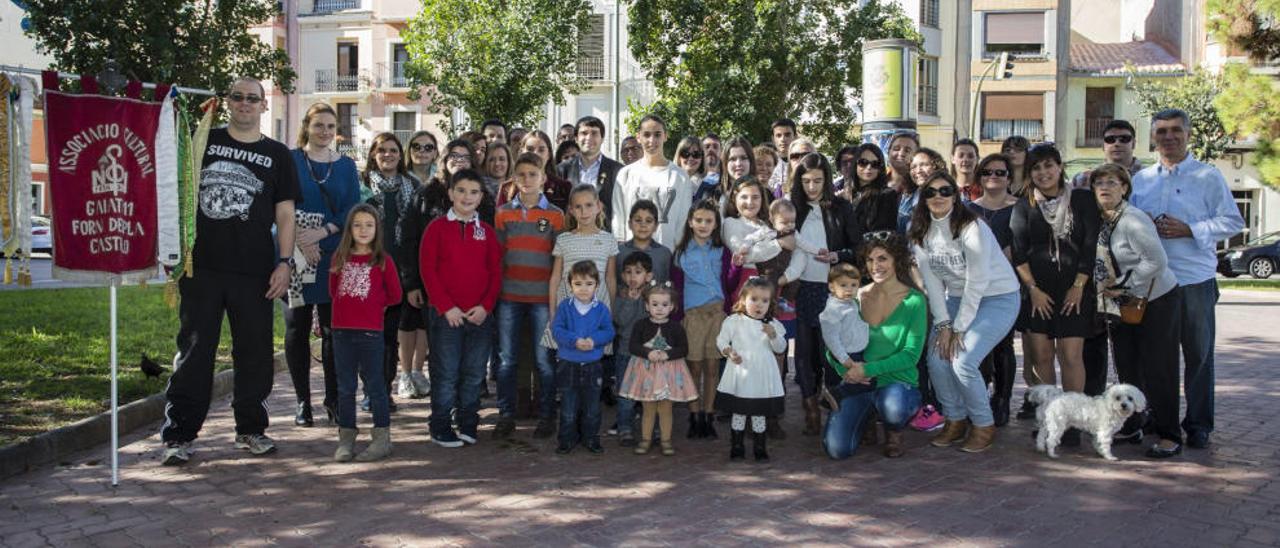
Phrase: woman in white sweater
[1131,264]
[653,178]
[973,295]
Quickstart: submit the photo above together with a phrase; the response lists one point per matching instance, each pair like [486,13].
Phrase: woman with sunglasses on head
[1132,268]
[827,221]
[1055,238]
[964,168]
[973,295]
[875,205]
[995,207]
[1015,149]
[330,187]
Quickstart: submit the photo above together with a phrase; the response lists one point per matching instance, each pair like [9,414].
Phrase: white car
[41,235]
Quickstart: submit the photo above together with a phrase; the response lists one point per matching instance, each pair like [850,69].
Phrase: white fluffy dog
[1101,416]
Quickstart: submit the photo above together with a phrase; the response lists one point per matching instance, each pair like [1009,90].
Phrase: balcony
[591,67]
[393,74]
[1089,132]
[356,152]
[330,81]
[330,6]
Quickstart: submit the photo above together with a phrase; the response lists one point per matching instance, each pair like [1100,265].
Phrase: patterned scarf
[1105,271]
[398,188]
[1056,212]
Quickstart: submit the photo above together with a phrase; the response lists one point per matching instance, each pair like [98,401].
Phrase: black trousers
[1095,356]
[1147,357]
[809,359]
[205,298]
[1000,368]
[297,351]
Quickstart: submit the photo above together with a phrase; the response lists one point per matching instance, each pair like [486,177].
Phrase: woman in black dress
[1055,237]
[875,205]
[995,207]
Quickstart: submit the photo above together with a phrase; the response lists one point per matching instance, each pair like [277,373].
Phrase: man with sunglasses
[247,185]
[1193,210]
[1118,141]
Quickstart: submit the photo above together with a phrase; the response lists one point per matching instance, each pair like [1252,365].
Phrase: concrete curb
[55,444]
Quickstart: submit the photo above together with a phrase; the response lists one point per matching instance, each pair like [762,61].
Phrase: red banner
[102,179]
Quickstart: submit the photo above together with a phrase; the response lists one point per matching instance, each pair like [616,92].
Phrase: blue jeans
[1198,335]
[456,363]
[579,385]
[958,384]
[512,318]
[626,407]
[896,402]
[360,352]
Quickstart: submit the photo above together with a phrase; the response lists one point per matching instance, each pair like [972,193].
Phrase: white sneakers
[421,383]
[412,385]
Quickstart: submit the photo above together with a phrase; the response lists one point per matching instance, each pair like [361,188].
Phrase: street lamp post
[1005,71]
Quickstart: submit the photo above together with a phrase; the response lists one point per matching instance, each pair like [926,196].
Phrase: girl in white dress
[750,385]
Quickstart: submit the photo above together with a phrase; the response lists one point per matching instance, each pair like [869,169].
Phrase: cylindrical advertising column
[888,89]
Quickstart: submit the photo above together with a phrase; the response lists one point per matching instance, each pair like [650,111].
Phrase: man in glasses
[1118,141]
[591,165]
[1193,211]
[247,185]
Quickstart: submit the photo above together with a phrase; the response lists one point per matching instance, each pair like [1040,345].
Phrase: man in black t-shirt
[248,184]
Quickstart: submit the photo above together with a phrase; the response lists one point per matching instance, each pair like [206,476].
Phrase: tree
[1193,94]
[734,66]
[1250,102]
[496,58]
[190,43]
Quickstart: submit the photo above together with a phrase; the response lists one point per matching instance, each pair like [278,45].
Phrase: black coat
[844,232]
[605,181]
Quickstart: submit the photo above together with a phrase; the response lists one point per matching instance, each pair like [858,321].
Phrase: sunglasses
[930,192]
[421,147]
[797,156]
[878,236]
[238,97]
[457,157]
[994,173]
[863,162]
[695,154]
[1112,139]
[1041,145]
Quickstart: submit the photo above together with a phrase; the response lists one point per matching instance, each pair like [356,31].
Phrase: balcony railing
[1089,132]
[353,151]
[403,135]
[330,6]
[329,80]
[393,75]
[591,67]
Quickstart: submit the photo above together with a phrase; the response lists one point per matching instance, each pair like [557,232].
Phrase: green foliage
[496,58]
[1249,104]
[734,66]
[191,43]
[1195,95]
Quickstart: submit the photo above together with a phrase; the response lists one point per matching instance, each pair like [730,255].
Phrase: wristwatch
[289,261]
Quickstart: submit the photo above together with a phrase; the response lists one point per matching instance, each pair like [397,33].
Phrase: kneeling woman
[973,294]
[897,314]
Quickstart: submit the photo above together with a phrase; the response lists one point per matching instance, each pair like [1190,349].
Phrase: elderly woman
[1133,270]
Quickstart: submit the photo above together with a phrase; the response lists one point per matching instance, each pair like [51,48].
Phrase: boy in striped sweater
[527,227]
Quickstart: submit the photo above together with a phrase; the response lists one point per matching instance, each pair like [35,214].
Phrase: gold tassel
[24,279]
[143,284]
[8,271]
[171,293]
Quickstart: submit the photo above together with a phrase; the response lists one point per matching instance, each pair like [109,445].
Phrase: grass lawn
[56,365]
[1245,282]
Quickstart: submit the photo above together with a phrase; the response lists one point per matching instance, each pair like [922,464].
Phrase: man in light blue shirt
[1193,211]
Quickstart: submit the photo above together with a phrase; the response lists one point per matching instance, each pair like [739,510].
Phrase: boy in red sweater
[461,266]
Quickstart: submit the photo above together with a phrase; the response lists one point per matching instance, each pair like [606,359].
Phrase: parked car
[1259,257]
[41,235]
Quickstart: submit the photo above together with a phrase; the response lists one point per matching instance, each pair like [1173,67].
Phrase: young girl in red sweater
[362,284]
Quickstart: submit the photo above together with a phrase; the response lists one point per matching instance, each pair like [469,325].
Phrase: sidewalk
[520,493]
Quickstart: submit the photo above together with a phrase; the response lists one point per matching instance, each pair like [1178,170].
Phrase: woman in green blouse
[897,314]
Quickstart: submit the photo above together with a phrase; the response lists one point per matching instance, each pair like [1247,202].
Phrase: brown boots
[952,432]
[976,438]
[893,443]
[980,439]
[812,417]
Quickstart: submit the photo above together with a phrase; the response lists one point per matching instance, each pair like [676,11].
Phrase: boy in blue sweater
[582,328]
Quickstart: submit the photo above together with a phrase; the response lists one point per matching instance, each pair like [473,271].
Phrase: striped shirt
[526,236]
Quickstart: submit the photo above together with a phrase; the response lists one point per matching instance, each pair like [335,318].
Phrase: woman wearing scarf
[1055,237]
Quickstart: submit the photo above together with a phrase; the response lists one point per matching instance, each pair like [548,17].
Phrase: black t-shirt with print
[240,185]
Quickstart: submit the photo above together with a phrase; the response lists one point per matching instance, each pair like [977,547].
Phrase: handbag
[1133,309]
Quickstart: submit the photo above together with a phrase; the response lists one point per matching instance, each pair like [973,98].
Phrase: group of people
[649,281]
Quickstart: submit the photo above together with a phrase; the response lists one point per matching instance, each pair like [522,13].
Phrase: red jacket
[460,264]
[361,292]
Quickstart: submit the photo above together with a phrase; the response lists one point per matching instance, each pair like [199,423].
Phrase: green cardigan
[894,347]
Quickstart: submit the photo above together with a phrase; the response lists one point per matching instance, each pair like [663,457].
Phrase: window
[1099,110]
[927,95]
[403,124]
[399,58]
[929,13]
[37,198]
[1020,33]
[591,50]
[348,66]
[346,120]
[1007,114]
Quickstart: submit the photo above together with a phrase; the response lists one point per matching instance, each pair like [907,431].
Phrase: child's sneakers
[927,419]
[405,387]
[420,383]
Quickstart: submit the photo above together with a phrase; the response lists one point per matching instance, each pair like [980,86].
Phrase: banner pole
[115,407]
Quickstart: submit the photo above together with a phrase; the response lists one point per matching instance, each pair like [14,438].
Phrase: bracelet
[938,327]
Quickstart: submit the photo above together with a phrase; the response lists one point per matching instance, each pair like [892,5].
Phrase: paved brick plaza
[520,492]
